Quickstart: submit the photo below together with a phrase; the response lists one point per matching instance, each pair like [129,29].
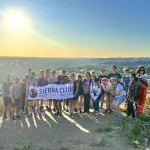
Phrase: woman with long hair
[143,86]
[74,100]
[80,92]
[119,95]
[86,90]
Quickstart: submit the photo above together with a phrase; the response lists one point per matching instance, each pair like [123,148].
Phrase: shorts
[7,101]
[120,99]
[74,98]
[17,101]
[55,100]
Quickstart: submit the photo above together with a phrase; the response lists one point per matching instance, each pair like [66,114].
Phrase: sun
[15,20]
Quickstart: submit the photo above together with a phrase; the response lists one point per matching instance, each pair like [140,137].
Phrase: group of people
[89,89]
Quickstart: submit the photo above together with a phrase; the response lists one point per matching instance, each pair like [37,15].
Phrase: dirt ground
[51,132]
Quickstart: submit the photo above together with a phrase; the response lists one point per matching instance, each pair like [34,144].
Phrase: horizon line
[68,57]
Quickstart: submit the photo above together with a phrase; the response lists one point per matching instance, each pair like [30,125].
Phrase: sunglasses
[126,70]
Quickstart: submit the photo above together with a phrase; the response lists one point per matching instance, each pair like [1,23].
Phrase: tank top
[16,92]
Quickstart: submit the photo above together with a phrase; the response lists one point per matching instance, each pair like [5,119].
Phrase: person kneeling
[95,91]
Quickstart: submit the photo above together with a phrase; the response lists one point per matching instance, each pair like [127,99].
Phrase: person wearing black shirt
[114,73]
[101,76]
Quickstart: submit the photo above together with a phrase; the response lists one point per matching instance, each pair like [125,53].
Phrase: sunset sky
[75,28]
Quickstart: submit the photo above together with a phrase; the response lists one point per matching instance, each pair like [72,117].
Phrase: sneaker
[57,113]
[54,109]
[75,110]
[96,113]
[5,116]
[13,117]
[106,111]
[110,111]
[71,113]
[80,110]
[18,116]
[49,109]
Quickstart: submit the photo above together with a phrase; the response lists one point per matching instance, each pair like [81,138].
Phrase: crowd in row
[112,88]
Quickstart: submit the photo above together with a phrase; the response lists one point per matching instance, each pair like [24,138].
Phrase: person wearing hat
[95,92]
[102,75]
[119,95]
[108,89]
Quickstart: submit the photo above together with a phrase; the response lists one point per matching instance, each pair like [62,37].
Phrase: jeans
[87,102]
[130,109]
[96,104]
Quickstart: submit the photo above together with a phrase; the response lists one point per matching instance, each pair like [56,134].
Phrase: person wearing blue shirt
[126,78]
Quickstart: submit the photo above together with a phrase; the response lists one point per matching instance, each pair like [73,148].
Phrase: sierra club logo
[33,93]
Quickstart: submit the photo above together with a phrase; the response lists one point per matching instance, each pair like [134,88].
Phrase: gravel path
[51,132]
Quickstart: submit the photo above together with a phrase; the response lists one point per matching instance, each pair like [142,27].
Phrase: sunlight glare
[16,20]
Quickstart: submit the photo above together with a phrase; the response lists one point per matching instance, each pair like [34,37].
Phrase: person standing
[101,76]
[80,92]
[143,85]
[29,73]
[23,85]
[95,92]
[42,82]
[74,100]
[52,80]
[65,80]
[7,100]
[16,96]
[132,95]
[108,90]
[126,78]
[86,90]
[57,103]
[114,73]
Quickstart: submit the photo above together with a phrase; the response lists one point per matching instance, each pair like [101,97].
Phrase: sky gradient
[78,28]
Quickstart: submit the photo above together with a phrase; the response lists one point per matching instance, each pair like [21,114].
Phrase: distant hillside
[18,65]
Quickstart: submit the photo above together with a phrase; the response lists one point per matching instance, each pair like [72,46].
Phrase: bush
[136,130]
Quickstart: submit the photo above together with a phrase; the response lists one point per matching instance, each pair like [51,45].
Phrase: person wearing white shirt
[108,90]
[95,92]
[119,95]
